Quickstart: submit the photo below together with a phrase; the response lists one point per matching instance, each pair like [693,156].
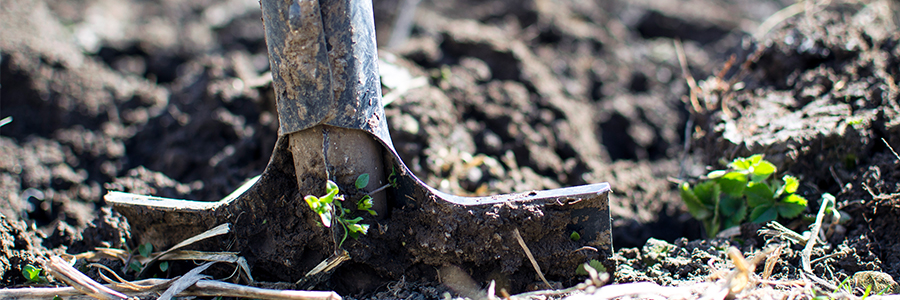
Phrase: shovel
[332,128]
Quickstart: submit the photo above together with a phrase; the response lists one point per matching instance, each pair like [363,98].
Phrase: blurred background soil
[172,98]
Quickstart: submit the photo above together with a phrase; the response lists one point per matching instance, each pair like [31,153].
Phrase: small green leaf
[353,230]
[736,218]
[331,188]
[146,249]
[327,199]
[135,266]
[575,236]
[163,266]
[778,187]
[759,194]
[740,164]
[595,264]
[362,181]
[697,209]
[733,183]
[32,273]
[729,205]
[763,214]
[313,202]
[761,171]
[716,174]
[392,178]
[708,193]
[791,184]
[791,206]
[326,217]
[365,203]
[755,159]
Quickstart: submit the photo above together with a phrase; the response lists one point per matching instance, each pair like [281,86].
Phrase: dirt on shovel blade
[173,99]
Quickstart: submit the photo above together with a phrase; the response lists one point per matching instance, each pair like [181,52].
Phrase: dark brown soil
[170,99]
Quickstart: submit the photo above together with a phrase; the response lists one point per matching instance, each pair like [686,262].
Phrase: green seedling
[727,196]
[145,250]
[365,204]
[323,206]
[392,178]
[135,266]
[593,264]
[33,274]
[575,236]
[326,208]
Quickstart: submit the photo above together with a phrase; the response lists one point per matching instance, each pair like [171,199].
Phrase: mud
[174,102]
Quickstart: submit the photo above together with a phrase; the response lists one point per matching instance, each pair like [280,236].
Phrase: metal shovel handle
[324,64]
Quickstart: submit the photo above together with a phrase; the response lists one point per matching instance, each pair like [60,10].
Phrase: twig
[771,261]
[836,179]
[692,84]
[185,281]
[586,248]
[379,189]
[892,148]
[203,288]
[122,283]
[63,271]
[218,230]
[814,234]
[530,257]
[818,280]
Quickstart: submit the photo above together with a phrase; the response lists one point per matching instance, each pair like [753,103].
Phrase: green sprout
[596,264]
[33,274]
[145,250]
[725,199]
[575,236]
[326,208]
[135,266]
[392,178]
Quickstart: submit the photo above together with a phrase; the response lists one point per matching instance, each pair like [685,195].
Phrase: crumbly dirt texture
[173,99]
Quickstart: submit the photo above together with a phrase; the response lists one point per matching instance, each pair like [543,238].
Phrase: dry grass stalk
[61,270]
[203,288]
[185,281]
[771,261]
[218,230]
[534,263]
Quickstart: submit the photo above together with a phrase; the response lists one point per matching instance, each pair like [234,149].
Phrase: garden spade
[332,127]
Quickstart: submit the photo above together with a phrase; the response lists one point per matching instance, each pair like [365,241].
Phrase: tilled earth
[172,99]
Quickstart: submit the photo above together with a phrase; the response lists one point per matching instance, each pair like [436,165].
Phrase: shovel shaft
[324,64]
[298,57]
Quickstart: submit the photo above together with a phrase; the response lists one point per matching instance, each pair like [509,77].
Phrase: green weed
[326,207]
[33,274]
[727,196]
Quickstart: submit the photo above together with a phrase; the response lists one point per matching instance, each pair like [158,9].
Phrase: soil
[171,99]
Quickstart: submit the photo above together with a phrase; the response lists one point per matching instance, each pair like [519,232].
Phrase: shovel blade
[330,105]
